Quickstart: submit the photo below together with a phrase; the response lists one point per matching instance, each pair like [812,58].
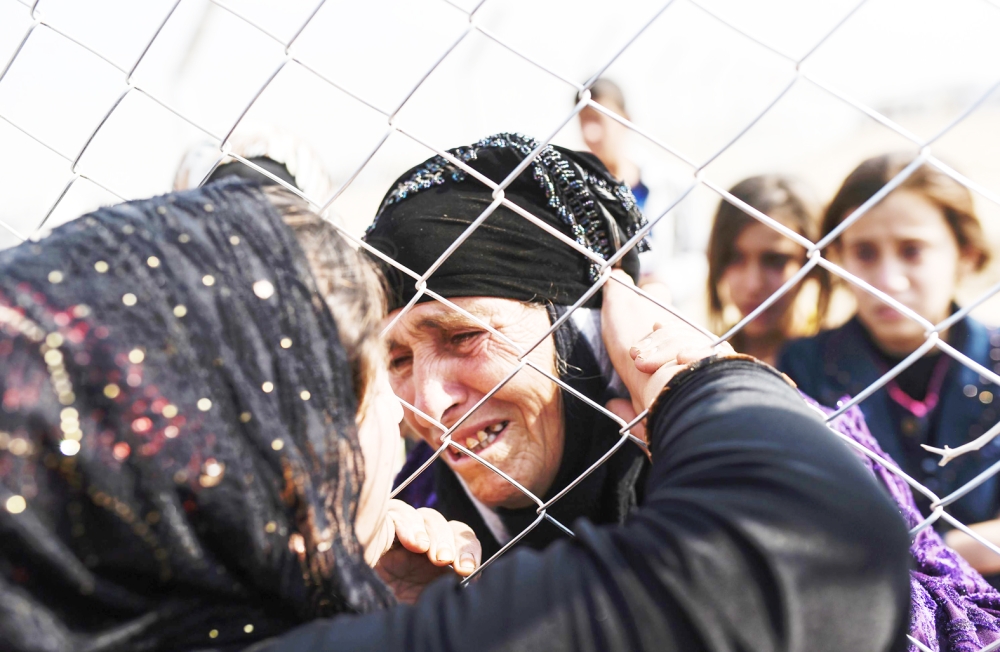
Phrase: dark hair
[771,194]
[952,198]
[350,283]
[603,90]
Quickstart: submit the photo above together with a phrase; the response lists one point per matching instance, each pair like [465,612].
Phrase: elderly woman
[517,279]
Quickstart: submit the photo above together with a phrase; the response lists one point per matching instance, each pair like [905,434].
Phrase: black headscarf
[239,169]
[507,256]
[178,456]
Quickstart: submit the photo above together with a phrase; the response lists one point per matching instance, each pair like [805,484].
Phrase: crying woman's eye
[465,337]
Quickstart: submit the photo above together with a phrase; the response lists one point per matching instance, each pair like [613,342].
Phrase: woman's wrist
[658,381]
[720,363]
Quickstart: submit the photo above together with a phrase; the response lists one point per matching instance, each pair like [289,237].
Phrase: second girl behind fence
[748,261]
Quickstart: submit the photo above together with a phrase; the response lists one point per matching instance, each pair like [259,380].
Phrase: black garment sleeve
[760,532]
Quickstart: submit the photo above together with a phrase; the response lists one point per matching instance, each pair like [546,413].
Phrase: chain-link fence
[40,30]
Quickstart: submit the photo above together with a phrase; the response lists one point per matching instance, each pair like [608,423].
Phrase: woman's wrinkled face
[763,260]
[378,433]
[904,247]
[443,364]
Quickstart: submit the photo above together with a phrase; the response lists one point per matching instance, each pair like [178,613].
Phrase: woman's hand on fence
[427,546]
[647,344]
[664,347]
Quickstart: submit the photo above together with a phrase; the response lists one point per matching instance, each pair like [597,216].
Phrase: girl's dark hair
[954,199]
[771,194]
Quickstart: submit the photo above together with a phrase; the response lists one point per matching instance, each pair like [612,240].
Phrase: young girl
[749,261]
[915,245]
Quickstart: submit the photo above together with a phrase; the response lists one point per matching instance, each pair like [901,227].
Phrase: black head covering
[178,454]
[507,256]
[243,171]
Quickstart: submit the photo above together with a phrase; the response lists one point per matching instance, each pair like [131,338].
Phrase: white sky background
[691,81]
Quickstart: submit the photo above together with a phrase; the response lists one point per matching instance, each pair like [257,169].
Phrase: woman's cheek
[402,386]
[492,365]
[791,269]
[937,284]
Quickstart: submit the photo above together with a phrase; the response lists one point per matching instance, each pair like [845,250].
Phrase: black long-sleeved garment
[760,531]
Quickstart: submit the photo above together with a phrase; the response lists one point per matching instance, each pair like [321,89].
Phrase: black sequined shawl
[179,465]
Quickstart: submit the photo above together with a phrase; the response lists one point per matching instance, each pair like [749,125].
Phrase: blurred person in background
[748,261]
[197,435]
[677,243]
[915,245]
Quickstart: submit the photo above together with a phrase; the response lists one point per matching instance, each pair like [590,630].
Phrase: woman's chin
[897,336]
[495,491]
[759,328]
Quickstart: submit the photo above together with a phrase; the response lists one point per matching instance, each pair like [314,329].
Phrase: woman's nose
[752,281]
[593,132]
[892,278]
[438,396]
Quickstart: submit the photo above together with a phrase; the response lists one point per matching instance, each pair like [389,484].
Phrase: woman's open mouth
[479,441]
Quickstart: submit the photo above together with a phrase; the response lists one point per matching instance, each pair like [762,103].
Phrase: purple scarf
[953,608]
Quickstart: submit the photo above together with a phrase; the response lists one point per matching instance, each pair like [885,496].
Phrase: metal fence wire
[939,504]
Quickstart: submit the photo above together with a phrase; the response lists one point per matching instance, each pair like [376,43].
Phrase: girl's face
[904,247]
[378,432]
[763,260]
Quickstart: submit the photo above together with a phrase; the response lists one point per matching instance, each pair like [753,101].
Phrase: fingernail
[645,353]
[468,562]
[445,555]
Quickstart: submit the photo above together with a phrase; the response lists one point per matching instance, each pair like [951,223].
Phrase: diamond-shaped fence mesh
[89,96]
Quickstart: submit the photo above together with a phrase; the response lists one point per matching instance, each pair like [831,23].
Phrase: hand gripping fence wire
[35,11]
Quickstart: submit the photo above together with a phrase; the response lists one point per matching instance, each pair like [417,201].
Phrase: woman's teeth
[486,436]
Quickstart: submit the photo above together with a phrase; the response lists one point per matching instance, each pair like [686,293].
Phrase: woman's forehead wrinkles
[444,321]
[447,321]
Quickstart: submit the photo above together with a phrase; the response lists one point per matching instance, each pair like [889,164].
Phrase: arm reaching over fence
[759,531]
